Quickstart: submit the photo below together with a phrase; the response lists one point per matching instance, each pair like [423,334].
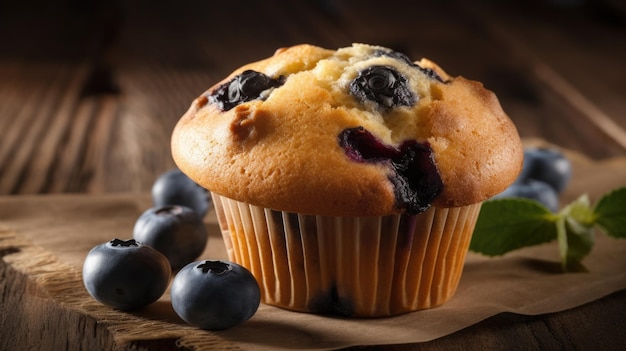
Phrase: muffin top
[358,131]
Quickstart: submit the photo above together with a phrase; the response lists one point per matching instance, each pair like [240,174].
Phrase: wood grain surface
[90,91]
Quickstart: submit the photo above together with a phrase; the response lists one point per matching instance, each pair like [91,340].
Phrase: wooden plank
[577,59]
[52,142]
[94,169]
[66,175]
[11,75]
[28,129]
[19,103]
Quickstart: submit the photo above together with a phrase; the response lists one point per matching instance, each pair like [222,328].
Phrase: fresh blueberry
[244,87]
[175,231]
[547,165]
[215,294]
[175,188]
[126,274]
[384,86]
[534,190]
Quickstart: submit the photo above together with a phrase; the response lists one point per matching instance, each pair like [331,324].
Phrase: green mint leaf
[610,213]
[512,223]
[575,233]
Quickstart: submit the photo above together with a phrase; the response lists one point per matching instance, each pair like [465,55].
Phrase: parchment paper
[524,282]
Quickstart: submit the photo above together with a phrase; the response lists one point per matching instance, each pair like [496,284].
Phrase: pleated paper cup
[349,266]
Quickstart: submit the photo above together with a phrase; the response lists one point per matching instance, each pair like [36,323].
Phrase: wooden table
[90,91]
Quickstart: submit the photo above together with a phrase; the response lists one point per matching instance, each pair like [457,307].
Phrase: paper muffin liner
[351,266]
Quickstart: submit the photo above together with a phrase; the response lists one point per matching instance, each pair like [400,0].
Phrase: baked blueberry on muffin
[348,181]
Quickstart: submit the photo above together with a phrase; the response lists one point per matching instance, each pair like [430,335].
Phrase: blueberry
[533,190]
[547,165]
[215,294]
[175,188]
[126,274]
[384,86]
[414,174]
[244,87]
[175,231]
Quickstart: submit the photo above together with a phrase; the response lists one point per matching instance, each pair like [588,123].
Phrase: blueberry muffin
[348,181]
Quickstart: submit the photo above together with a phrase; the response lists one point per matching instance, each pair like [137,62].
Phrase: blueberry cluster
[131,274]
[545,174]
[382,85]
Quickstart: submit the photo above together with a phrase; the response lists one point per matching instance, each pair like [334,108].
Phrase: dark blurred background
[90,90]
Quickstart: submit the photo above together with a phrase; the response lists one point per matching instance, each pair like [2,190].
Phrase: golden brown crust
[282,152]
[478,150]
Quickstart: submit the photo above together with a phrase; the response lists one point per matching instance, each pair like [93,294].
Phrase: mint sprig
[510,224]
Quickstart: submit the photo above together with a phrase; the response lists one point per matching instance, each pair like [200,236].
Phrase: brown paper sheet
[62,228]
